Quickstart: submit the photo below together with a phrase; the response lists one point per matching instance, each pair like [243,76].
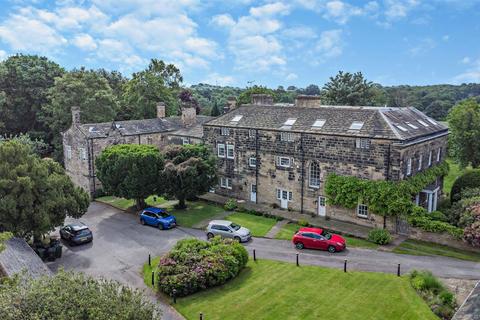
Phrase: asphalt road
[121,246]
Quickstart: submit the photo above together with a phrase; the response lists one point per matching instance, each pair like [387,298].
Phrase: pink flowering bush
[194,265]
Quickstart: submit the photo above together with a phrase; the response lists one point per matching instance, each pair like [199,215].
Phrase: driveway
[121,246]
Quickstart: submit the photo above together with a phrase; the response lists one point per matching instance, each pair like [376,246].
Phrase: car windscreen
[83,232]
[234,226]
[328,236]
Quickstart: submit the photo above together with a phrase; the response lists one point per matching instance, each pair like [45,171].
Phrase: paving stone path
[276,229]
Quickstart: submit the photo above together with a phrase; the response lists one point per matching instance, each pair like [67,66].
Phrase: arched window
[314,175]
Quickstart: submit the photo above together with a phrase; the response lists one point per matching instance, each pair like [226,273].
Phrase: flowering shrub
[193,265]
[471,234]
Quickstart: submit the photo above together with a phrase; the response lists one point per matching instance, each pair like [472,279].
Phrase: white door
[284,200]
[253,193]
[322,206]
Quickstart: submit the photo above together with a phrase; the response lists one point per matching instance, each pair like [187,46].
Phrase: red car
[315,238]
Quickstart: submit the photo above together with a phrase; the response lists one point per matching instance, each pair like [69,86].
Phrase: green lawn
[449,179]
[421,248]
[147,271]
[278,290]
[289,230]
[258,225]
[195,213]
[124,204]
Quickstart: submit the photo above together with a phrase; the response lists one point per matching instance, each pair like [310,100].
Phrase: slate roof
[378,122]
[18,256]
[145,126]
[470,309]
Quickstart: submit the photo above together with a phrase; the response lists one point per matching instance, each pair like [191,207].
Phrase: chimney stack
[306,101]
[160,110]
[189,116]
[262,99]
[75,115]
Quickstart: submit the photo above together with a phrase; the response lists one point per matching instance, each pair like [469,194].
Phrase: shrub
[193,265]
[427,224]
[438,216]
[303,223]
[470,179]
[471,234]
[379,236]
[230,205]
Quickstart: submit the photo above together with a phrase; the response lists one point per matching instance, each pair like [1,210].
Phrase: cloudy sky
[237,42]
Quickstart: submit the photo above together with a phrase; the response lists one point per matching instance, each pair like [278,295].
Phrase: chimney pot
[160,110]
[189,116]
[75,115]
[262,99]
[307,101]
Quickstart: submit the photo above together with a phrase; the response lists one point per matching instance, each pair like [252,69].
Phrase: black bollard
[153,278]
[254,255]
[174,296]
[345,266]
[297,261]
[149,260]
[201,316]
[398,270]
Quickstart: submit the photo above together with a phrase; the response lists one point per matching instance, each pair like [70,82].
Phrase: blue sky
[272,43]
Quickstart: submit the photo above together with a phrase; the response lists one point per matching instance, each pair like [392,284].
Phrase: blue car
[157,217]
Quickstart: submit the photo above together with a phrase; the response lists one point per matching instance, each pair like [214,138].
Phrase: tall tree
[84,88]
[24,83]
[349,89]
[115,80]
[189,172]
[158,83]
[36,194]
[464,124]
[215,110]
[312,90]
[130,171]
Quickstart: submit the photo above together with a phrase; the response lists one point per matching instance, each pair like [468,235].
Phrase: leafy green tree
[115,80]
[246,96]
[215,110]
[36,145]
[189,172]
[464,124]
[130,171]
[68,295]
[84,88]
[158,83]
[36,194]
[312,90]
[349,89]
[24,83]
[4,236]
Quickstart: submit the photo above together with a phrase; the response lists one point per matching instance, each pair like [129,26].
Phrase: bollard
[398,270]
[153,278]
[174,296]
[149,260]
[254,255]
[201,316]
[297,260]
[345,266]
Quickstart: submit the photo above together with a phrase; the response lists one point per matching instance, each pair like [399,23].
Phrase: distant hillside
[434,100]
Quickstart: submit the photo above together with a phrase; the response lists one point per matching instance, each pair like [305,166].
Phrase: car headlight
[339,243]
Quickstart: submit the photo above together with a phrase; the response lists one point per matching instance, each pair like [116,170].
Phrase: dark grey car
[76,233]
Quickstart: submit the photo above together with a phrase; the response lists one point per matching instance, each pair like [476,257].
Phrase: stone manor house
[281,154]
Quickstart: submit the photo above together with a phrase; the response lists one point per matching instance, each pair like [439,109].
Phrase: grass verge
[258,225]
[195,213]
[453,173]
[147,271]
[277,290]
[422,248]
[288,230]
[124,204]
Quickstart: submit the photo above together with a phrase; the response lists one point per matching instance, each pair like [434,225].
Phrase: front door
[284,200]
[322,206]
[253,193]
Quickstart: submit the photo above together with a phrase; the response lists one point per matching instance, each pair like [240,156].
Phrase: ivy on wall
[385,198]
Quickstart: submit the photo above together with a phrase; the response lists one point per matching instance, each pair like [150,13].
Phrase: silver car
[228,229]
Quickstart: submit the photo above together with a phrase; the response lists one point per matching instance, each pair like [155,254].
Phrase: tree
[69,295]
[158,83]
[37,195]
[464,125]
[187,99]
[312,90]
[215,111]
[86,89]
[24,83]
[246,96]
[4,236]
[349,89]
[36,145]
[115,80]
[130,171]
[189,172]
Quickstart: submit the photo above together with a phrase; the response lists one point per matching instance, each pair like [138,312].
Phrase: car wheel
[160,226]
[299,245]
[331,249]
[237,239]
[210,235]
[142,221]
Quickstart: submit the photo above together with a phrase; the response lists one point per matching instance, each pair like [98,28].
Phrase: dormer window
[236,119]
[318,124]
[356,125]
[411,125]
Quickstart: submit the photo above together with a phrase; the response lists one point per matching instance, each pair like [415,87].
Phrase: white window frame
[68,152]
[252,162]
[279,193]
[185,140]
[280,159]
[221,151]
[409,166]
[225,131]
[251,133]
[439,154]
[362,143]
[82,154]
[362,210]
[314,182]
[287,136]
[230,149]
[226,183]
[430,158]
[420,162]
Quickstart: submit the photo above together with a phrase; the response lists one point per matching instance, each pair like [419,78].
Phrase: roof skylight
[356,125]
[423,123]
[318,123]
[402,128]
[411,125]
[236,118]
[431,121]
[290,122]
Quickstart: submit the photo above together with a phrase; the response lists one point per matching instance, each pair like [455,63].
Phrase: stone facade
[273,165]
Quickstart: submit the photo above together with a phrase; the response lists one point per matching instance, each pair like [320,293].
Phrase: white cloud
[271,9]
[397,9]
[223,21]
[218,79]
[85,42]
[341,12]
[3,55]
[291,76]
[422,48]
[466,60]
[329,45]
[300,32]
[471,75]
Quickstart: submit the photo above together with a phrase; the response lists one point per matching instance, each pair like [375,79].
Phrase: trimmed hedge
[470,179]
[427,224]
[193,265]
[379,236]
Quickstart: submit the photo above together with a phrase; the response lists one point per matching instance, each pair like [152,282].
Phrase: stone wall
[440,238]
